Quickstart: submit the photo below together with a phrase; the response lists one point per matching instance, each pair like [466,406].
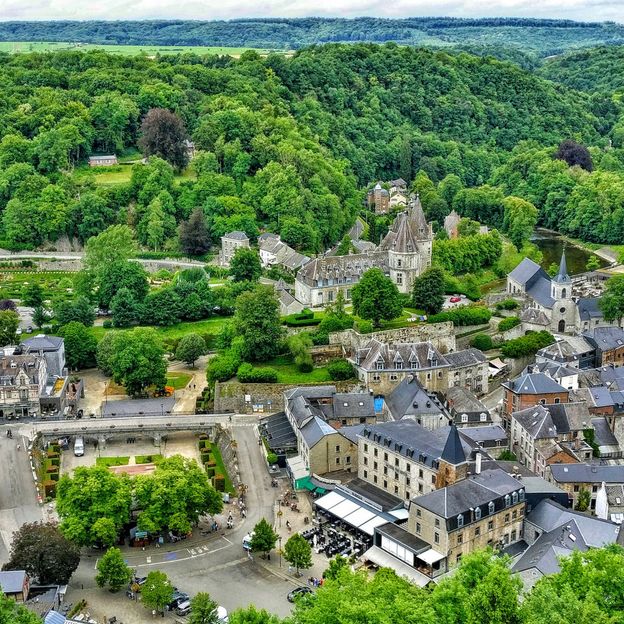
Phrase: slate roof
[412,356]
[315,430]
[602,432]
[557,525]
[410,398]
[566,350]
[588,308]
[236,235]
[284,254]
[352,405]
[462,400]
[540,290]
[587,473]
[351,433]
[474,491]
[535,316]
[451,221]
[12,581]
[54,617]
[403,537]
[526,271]
[466,357]
[598,396]
[562,274]
[405,436]
[408,229]
[537,421]
[534,383]
[606,338]
[347,268]
[555,370]
[453,452]
[485,433]
[41,342]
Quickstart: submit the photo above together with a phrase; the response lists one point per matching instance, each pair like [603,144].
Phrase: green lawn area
[212,325]
[147,459]
[112,461]
[121,174]
[220,468]
[178,380]
[287,372]
[128,50]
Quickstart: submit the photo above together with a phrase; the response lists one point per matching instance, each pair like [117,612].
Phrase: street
[18,497]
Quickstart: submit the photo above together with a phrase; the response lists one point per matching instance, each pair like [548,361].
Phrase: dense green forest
[287,144]
[598,69]
[541,36]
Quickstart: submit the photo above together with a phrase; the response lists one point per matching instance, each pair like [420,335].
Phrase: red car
[455,299]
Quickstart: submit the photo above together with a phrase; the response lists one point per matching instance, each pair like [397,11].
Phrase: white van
[79,447]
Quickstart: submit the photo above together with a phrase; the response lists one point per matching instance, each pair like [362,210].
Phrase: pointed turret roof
[453,452]
[407,230]
[562,275]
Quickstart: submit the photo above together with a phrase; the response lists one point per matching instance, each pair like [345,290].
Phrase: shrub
[365,327]
[340,370]
[483,342]
[249,374]
[272,458]
[508,323]
[210,472]
[211,464]
[218,482]
[205,458]
[333,323]
[292,321]
[223,367]
[463,315]
[527,345]
[320,338]
[107,324]
[203,443]
[507,304]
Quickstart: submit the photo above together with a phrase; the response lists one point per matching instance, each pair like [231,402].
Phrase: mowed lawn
[287,372]
[121,174]
[15,47]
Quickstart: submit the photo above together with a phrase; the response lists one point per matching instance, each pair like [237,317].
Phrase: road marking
[143,565]
[227,540]
[149,560]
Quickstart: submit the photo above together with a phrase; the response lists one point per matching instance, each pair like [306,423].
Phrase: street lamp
[162,409]
[279,552]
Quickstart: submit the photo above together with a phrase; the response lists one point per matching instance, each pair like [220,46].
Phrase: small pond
[551,244]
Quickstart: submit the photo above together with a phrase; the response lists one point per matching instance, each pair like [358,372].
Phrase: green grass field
[287,372]
[120,174]
[212,325]
[54,283]
[15,47]
[178,380]
[112,461]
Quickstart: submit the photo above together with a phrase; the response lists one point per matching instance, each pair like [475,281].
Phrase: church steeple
[562,275]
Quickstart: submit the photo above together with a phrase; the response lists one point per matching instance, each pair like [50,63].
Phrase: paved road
[18,498]
[216,564]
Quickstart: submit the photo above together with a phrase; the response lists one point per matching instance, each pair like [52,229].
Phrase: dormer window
[507,500]
[491,507]
[514,497]
[460,521]
[478,513]
[413,363]
[521,495]
[399,365]
[379,364]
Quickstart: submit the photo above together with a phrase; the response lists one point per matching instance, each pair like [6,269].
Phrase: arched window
[563,293]
[491,507]
[478,513]
[460,521]
[521,495]
[507,500]
[514,497]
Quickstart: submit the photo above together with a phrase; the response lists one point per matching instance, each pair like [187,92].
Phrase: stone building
[531,389]
[230,242]
[551,303]
[382,366]
[378,199]
[485,509]
[22,382]
[274,252]
[405,459]
[403,254]
[52,348]
[608,343]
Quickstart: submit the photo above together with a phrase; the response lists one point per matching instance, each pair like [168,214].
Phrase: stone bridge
[104,429]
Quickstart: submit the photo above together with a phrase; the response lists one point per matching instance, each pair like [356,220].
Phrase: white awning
[343,509]
[385,560]
[329,500]
[400,514]
[369,527]
[359,517]
[430,556]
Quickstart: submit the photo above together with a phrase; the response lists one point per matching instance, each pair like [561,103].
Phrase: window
[337,448]
[407,467]
[420,473]
[460,538]
[491,507]
[407,481]
[375,452]
[399,263]
[366,448]
[433,479]
[490,525]
[506,517]
[514,515]
[366,474]
[436,537]
[385,485]
[477,531]
[478,513]
[507,500]
[418,527]
[514,497]
[376,377]
[375,465]
[379,364]
[374,478]
[337,460]
[386,470]
[399,279]
[348,459]
[464,418]
[557,400]
[366,461]
[513,535]
[521,495]
[396,489]
[396,461]
[460,520]
[385,456]
[437,522]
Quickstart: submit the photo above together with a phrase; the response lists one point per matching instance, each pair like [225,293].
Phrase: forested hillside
[598,69]
[542,36]
[285,144]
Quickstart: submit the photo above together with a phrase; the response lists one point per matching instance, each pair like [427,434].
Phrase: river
[551,244]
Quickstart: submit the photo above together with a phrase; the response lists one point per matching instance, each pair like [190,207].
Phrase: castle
[403,254]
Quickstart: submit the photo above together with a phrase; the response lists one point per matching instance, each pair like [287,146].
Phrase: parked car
[184,608]
[177,599]
[455,299]
[296,593]
[79,447]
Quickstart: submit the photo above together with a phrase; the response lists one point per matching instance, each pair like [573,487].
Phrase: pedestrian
[19,446]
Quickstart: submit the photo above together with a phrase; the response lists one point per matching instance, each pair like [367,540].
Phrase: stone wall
[233,396]
[440,334]
[229,450]
[322,354]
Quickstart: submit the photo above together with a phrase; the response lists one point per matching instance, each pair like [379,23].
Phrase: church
[403,254]
[551,302]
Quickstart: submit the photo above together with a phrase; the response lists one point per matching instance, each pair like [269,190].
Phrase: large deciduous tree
[47,556]
[137,360]
[33,295]
[203,609]
[113,570]
[93,505]
[264,538]
[115,243]
[80,345]
[163,134]
[12,612]
[157,591]
[612,301]
[79,309]
[193,234]
[519,220]
[175,496]
[375,297]
[428,292]
[298,552]
[191,347]
[121,274]
[575,154]
[245,265]
[257,321]
[9,322]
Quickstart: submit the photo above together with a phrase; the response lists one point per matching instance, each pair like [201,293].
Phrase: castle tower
[453,463]
[564,310]
[561,284]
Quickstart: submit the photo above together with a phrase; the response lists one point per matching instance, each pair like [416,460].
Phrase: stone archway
[562,325]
